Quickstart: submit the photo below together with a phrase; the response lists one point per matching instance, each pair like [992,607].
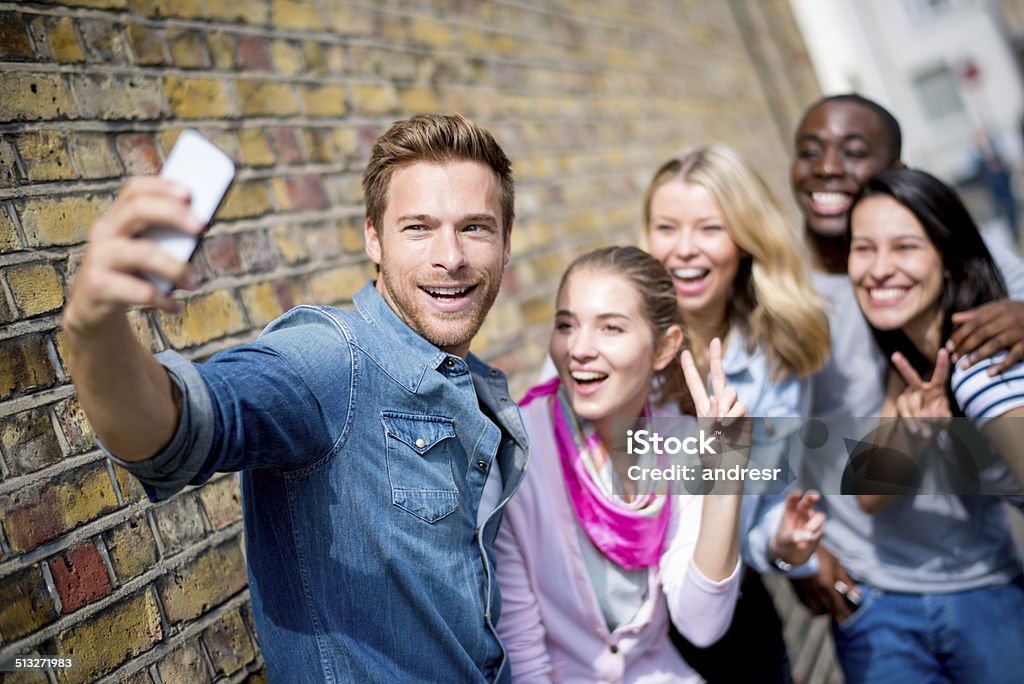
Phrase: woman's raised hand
[722,404]
[922,399]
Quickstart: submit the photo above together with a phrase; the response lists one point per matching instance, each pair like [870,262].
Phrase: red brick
[139,154]
[258,252]
[306,192]
[80,577]
[221,254]
[253,54]
[32,517]
[25,604]
[286,142]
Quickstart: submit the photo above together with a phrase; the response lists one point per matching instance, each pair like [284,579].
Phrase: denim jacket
[364,452]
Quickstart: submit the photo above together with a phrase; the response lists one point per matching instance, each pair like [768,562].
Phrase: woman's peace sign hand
[722,404]
[923,399]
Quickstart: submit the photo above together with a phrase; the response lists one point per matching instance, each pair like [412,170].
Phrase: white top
[552,622]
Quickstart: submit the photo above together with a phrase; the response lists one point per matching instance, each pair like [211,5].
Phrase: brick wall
[587,96]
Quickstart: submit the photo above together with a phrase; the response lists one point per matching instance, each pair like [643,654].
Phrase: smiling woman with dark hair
[915,259]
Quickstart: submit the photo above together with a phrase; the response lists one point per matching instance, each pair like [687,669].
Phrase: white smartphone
[207,172]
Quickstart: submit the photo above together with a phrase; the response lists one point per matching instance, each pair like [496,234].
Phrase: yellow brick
[98,4]
[205,318]
[266,98]
[64,221]
[34,97]
[287,57]
[193,589]
[347,141]
[222,49]
[64,43]
[420,100]
[261,303]
[186,49]
[289,245]
[198,98]
[122,631]
[246,199]
[280,192]
[36,289]
[131,548]
[45,156]
[228,644]
[9,240]
[431,32]
[348,19]
[375,100]
[182,9]
[296,14]
[352,236]
[255,148]
[93,155]
[248,12]
[319,145]
[324,101]
[337,284]
[86,497]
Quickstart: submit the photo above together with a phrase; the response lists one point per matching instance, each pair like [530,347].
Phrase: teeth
[688,273]
[447,291]
[888,293]
[588,376]
[830,199]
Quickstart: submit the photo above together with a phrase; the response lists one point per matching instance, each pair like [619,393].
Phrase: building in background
[946,68]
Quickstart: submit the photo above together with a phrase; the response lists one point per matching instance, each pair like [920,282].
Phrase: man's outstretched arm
[127,395]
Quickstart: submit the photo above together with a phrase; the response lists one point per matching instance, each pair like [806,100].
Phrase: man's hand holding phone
[151,228]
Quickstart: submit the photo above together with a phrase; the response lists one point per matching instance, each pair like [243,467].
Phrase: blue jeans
[966,636]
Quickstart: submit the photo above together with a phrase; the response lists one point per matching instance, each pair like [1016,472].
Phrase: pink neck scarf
[632,535]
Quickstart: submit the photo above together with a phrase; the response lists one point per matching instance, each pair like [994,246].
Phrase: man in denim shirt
[377,453]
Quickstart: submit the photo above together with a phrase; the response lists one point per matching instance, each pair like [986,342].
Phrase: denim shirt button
[481,464]
[450,362]
[420,443]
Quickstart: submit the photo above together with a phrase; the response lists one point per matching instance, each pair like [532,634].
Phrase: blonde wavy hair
[775,304]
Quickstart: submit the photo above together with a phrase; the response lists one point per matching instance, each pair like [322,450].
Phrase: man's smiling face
[839,146]
[441,249]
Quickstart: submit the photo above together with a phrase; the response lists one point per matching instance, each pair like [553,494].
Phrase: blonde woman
[741,274]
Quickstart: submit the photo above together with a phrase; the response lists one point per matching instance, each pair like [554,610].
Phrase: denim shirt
[364,452]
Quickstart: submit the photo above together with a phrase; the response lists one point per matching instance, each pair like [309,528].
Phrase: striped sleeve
[982,397]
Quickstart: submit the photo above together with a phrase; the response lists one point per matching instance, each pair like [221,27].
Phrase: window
[938,92]
[928,9]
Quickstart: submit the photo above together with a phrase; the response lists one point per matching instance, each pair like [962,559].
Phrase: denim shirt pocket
[420,464]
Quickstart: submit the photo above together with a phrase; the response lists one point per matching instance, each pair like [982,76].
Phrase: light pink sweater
[551,621]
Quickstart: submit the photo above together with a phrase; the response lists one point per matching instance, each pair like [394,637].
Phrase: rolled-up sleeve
[181,461]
